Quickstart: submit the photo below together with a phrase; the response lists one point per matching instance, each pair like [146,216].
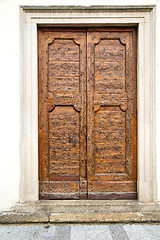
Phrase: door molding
[141,16]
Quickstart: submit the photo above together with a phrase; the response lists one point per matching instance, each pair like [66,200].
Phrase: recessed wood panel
[110,57]
[63,66]
[64,142]
[65,50]
[109,49]
[110,155]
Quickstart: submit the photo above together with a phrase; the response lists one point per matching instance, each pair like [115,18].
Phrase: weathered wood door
[87,113]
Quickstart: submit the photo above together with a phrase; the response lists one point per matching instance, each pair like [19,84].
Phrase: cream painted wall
[10,92]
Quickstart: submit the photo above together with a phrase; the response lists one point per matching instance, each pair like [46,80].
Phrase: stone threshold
[82,211]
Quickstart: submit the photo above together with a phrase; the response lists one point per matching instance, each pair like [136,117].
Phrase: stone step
[128,217]
[82,211]
[80,206]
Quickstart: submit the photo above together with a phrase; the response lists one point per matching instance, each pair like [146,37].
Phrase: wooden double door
[87,113]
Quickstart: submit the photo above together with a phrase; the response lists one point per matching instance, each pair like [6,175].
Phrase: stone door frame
[141,16]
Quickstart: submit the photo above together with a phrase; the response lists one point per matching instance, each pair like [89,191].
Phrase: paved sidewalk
[80,232]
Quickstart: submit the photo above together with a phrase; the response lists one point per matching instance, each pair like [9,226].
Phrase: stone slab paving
[80,232]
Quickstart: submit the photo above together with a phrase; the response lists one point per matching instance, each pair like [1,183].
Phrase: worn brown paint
[87,113]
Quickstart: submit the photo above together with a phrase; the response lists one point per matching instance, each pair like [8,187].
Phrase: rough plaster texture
[10,92]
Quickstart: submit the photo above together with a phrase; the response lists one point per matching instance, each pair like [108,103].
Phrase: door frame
[141,16]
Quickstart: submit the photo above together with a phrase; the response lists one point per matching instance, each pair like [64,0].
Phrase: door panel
[111,94]
[87,113]
[62,113]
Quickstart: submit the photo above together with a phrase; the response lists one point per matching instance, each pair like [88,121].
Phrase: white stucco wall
[10,92]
